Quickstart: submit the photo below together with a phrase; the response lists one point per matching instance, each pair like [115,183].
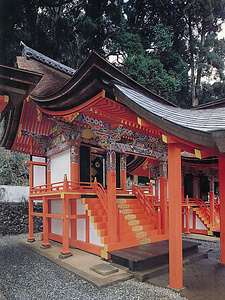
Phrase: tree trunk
[200,60]
[192,63]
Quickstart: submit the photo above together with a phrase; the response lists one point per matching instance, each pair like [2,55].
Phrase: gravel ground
[212,248]
[27,275]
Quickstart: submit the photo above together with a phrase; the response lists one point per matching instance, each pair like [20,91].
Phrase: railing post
[159,217]
[65,184]
[187,231]
[133,188]
[212,203]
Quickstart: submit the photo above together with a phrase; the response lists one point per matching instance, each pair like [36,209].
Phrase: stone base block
[63,256]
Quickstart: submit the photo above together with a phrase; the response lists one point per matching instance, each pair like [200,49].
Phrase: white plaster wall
[81,223]
[190,221]
[39,171]
[60,165]
[13,193]
[199,224]
[94,238]
[56,224]
[159,189]
[81,230]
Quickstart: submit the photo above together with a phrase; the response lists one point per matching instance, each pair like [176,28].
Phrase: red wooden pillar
[175,217]
[212,202]
[45,243]
[31,177]
[74,176]
[48,182]
[31,222]
[48,179]
[157,189]
[65,252]
[74,161]
[194,219]
[163,195]
[187,213]
[222,207]
[31,206]
[111,192]
[123,172]
[182,186]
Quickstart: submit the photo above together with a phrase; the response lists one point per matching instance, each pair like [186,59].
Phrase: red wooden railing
[62,186]
[198,202]
[217,205]
[101,193]
[69,186]
[146,200]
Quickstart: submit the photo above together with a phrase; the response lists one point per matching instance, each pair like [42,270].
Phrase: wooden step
[94,212]
[137,228]
[89,200]
[100,225]
[149,255]
[138,235]
[94,206]
[102,232]
[104,240]
[143,221]
[96,219]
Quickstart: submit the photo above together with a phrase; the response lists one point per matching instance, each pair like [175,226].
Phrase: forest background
[170,46]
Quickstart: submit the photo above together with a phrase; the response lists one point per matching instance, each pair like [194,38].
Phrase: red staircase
[135,224]
[203,213]
[137,218]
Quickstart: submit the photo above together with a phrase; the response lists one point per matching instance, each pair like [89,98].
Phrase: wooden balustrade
[147,202]
[62,186]
[101,193]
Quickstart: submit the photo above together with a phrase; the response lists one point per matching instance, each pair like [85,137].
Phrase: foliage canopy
[171,46]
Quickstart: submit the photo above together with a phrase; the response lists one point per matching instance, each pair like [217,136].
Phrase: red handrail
[217,206]
[101,193]
[60,186]
[147,202]
[204,207]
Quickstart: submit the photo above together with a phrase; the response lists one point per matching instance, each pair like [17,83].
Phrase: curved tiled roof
[201,120]
[205,127]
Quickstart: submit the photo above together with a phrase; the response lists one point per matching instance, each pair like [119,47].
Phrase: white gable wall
[60,165]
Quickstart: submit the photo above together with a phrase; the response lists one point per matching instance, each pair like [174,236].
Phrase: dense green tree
[177,38]
[206,53]
[13,168]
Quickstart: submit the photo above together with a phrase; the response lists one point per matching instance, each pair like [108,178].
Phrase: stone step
[147,274]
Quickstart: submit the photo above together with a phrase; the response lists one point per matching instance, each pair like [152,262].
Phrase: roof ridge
[31,53]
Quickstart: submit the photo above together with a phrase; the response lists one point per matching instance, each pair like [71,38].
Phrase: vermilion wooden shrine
[114,164]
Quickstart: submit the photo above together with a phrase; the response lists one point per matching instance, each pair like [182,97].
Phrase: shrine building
[114,165]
